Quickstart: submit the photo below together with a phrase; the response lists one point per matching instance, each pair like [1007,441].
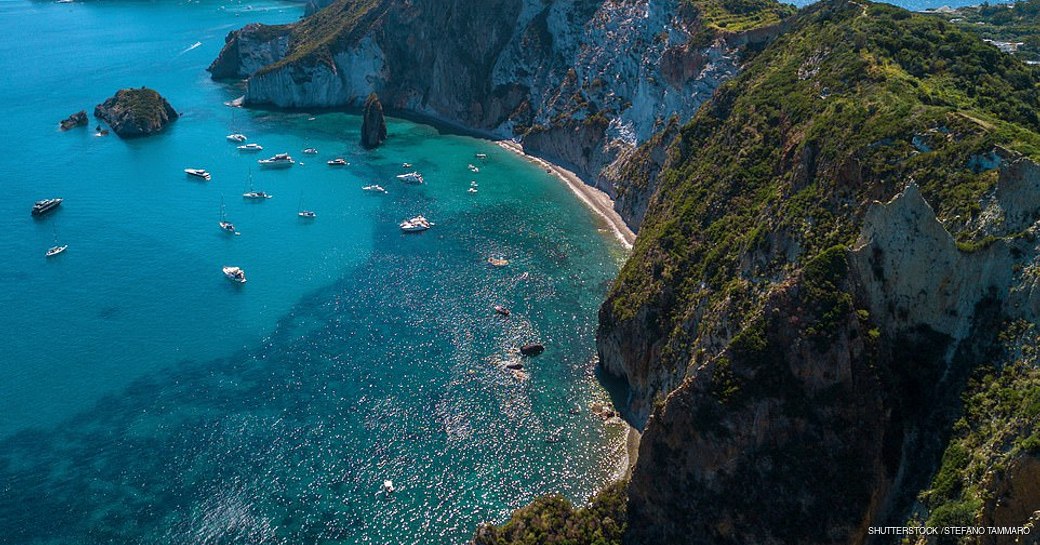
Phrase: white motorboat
[374,188]
[256,195]
[310,151]
[416,224]
[235,274]
[481,156]
[411,178]
[406,165]
[281,160]
[250,147]
[473,168]
[198,173]
[471,190]
[308,214]
[236,137]
[388,487]
[55,250]
[337,162]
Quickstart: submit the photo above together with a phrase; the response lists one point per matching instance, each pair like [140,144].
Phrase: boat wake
[192,46]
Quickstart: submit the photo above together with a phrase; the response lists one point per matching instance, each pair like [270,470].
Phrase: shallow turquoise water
[147,400]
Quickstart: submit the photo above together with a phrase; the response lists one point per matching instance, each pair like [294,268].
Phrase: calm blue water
[145,399]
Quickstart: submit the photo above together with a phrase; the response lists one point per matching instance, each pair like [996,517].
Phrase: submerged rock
[532,349]
[136,112]
[78,119]
[373,126]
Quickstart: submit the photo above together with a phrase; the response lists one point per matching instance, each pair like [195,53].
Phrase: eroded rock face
[583,83]
[136,112]
[78,119]
[373,126]
[249,49]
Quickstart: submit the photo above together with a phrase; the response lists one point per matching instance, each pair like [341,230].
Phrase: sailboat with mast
[226,225]
[235,137]
[252,193]
[57,248]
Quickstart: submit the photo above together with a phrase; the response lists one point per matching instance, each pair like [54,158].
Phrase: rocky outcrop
[582,83]
[373,126]
[136,112]
[249,49]
[78,119]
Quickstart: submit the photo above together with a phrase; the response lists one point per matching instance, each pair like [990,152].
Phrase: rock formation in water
[136,112]
[78,119]
[373,126]
[580,82]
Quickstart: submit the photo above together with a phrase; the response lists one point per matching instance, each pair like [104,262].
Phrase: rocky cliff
[833,278]
[580,82]
[136,112]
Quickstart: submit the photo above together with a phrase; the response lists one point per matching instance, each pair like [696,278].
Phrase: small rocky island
[78,119]
[373,126]
[136,112]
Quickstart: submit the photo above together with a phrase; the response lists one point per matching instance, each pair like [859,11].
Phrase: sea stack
[136,112]
[78,119]
[373,126]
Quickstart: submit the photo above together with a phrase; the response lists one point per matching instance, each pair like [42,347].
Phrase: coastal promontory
[136,112]
[373,126]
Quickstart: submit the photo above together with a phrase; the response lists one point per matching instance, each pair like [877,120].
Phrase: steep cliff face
[249,49]
[832,254]
[579,81]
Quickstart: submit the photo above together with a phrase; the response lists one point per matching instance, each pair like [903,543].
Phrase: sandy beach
[595,199]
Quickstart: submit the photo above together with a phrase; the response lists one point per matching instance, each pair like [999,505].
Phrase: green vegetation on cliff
[738,15]
[847,107]
[552,520]
[1016,23]
[998,433]
[318,37]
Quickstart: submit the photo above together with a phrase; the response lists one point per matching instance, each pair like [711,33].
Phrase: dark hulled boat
[46,205]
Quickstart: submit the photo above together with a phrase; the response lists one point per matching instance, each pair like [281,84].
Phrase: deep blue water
[145,399]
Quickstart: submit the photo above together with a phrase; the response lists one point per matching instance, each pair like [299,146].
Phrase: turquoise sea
[144,399]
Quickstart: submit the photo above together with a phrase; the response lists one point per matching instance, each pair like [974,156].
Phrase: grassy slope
[318,37]
[738,15]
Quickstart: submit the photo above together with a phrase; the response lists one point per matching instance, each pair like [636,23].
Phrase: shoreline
[595,199]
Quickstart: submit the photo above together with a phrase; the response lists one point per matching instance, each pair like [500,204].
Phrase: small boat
[502,310]
[473,168]
[416,224]
[374,188]
[471,190]
[498,262]
[42,207]
[226,225]
[481,156]
[236,137]
[256,195]
[250,147]
[411,178]
[102,132]
[198,173]
[388,487]
[306,214]
[55,250]
[406,165]
[280,160]
[473,183]
[310,151]
[235,274]
[337,162]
